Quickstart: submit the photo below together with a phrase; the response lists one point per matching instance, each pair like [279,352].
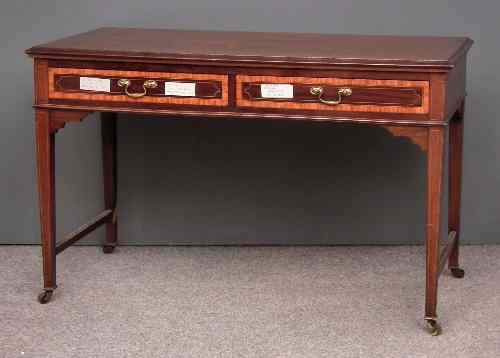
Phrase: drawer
[333,94]
[138,87]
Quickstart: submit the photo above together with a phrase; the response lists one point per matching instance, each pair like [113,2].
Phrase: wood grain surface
[243,102]
[217,47]
[54,93]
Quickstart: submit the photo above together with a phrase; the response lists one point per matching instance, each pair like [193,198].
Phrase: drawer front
[138,87]
[340,94]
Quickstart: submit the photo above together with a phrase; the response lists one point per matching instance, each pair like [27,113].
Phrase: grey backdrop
[229,182]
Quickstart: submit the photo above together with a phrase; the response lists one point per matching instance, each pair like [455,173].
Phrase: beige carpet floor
[246,302]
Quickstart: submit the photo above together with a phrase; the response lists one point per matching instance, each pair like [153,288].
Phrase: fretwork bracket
[417,135]
[58,118]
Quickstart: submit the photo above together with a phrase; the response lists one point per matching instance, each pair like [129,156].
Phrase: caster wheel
[45,296]
[457,272]
[108,249]
[433,327]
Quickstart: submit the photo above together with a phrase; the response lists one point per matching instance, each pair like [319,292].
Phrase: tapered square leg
[45,141]
[435,161]
[455,187]
[108,131]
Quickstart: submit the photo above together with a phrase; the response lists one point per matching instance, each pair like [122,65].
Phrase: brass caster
[433,327]
[45,296]
[108,249]
[457,272]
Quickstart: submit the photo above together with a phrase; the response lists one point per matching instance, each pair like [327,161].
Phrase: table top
[258,47]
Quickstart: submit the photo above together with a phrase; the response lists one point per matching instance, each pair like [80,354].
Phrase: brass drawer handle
[318,91]
[147,84]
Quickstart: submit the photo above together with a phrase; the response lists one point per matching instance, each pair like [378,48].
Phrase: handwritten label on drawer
[95,84]
[184,89]
[276,90]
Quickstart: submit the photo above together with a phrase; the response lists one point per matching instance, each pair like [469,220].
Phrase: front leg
[45,141]
[435,161]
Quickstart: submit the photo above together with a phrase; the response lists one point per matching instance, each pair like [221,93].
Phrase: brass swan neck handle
[319,91]
[147,84]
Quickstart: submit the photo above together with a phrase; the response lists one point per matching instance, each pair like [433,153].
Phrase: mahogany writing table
[412,86]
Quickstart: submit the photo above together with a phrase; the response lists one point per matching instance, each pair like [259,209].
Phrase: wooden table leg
[435,161]
[455,187]
[45,141]
[108,130]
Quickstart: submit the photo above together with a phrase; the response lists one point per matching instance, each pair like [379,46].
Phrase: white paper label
[185,89]
[276,90]
[95,84]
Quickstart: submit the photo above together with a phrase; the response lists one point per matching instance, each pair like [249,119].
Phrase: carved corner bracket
[58,118]
[418,135]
